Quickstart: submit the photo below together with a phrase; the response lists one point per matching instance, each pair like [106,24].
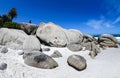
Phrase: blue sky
[88,16]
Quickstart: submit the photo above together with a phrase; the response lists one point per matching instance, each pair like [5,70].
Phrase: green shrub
[1,22]
[13,25]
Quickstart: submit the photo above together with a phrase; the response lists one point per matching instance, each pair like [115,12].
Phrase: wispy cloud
[117,20]
[98,24]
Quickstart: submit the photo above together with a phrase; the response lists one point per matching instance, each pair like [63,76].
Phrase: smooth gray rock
[3,66]
[56,54]
[4,50]
[31,43]
[12,38]
[78,62]
[39,60]
[74,47]
[73,36]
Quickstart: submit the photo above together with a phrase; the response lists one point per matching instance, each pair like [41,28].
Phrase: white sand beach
[60,39]
[105,65]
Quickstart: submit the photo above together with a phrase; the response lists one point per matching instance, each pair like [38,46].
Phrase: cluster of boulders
[53,35]
[107,40]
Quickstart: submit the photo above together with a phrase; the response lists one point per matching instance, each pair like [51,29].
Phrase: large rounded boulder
[39,60]
[74,36]
[78,62]
[31,43]
[51,34]
[12,38]
[54,35]
[107,40]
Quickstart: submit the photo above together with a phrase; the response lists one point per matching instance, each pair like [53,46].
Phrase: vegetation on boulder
[12,25]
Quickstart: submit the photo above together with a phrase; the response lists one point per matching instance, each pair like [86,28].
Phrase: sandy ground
[105,65]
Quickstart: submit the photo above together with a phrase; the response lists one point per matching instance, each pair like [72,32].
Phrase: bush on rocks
[13,25]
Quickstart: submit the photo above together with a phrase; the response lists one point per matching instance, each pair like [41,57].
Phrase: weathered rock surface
[30,29]
[92,47]
[107,40]
[89,38]
[12,38]
[74,47]
[31,43]
[56,54]
[78,62]
[39,60]
[54,35]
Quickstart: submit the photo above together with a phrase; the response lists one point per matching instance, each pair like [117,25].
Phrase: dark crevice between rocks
[43,42]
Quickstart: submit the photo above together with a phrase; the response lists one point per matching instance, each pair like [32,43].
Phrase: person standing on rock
[56,42]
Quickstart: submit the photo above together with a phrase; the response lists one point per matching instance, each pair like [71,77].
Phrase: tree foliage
[1,22]
[5,18]
[12,13]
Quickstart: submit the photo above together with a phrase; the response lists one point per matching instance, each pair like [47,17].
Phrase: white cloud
[117,20]
[98,24]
